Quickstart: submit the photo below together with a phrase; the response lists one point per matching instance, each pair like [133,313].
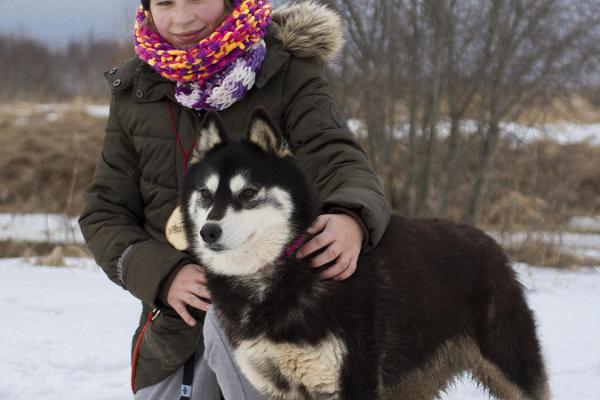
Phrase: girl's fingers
[328,255]
[339,267]
[201,291]
[179,307]
[316,243]
[347,273]
[197,302]
[318,225]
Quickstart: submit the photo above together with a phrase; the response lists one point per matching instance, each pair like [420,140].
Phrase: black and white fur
[433,300]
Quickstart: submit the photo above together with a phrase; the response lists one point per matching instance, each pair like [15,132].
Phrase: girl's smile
[189,38]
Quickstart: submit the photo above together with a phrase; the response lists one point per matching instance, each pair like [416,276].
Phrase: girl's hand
[341,238]
[189,289]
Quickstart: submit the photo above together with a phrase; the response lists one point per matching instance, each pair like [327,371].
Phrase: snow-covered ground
[561,132]
[53,228]
[590,223]
[65,332]
[51,111]
[584,244]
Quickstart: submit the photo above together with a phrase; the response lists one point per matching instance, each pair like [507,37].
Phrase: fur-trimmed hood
[309,29]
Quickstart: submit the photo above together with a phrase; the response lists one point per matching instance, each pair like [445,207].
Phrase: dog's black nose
[210,233]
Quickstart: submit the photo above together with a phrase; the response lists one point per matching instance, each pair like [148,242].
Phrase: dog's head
[243,202]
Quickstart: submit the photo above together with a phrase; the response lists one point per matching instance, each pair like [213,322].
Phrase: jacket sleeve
[112,220]
[336,165]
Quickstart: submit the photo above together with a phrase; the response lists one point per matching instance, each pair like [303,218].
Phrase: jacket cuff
[374,214]
[147,265]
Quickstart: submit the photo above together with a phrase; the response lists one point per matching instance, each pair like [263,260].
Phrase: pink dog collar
[294,246]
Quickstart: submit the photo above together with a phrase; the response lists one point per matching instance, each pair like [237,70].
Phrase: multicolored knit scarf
[221,68]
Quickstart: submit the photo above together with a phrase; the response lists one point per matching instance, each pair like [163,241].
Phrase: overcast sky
[57,21]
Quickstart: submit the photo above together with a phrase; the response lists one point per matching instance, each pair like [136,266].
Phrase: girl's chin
[186,46]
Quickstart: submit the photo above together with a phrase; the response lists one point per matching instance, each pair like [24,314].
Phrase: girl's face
[183,23]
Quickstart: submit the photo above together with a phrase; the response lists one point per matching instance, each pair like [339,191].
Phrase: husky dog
[433,300]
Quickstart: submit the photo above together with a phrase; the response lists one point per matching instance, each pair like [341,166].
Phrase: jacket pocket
[170,341]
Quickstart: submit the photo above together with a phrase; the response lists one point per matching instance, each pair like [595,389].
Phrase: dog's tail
[514,366]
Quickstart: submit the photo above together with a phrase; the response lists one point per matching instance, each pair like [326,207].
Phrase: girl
[229,56]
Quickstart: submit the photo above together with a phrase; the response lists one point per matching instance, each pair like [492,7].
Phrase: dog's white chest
[281,369]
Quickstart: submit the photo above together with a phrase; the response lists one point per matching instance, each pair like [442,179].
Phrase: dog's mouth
[215,247]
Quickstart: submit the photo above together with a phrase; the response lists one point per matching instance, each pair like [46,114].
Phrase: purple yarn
[224,85]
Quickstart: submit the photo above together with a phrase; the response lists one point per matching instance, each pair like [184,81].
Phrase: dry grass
[10,248]
[542,254]
[47,157]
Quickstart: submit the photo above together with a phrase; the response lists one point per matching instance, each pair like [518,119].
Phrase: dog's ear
[211,134]
[264,133]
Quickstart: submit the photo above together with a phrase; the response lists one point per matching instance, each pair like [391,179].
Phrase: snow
[590,223]
[53,228]
[64,332]
[97,110]
[52,112]
[561,132]
[67,331]
[579,243]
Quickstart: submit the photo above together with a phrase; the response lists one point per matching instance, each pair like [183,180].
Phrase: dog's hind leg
[436,374]
[512,366]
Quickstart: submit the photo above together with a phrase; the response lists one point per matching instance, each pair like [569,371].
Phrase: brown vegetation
[542,254]
[10,248]
[47,156]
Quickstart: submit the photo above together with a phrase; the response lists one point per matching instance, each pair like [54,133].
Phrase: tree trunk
[435,102]
[406,206]
[448,174]
[488,147]
[374,111]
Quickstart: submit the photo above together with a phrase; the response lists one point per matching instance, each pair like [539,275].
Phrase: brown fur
[309,29]
[454,357]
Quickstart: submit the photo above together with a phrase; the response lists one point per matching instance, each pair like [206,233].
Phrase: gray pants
[215,372]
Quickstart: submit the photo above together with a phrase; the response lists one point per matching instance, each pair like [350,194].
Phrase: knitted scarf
[221,68]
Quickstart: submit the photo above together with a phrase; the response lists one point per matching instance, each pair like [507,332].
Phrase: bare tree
[537,45]
[464,63]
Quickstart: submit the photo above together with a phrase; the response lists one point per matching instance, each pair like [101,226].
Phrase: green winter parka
[141,167]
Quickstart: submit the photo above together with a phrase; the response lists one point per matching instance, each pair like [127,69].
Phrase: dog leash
[188,377]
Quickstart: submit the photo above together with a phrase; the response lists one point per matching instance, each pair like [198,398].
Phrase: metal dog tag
[174,230]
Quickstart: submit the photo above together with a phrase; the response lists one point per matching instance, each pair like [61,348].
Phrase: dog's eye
[206,194]
[248,194]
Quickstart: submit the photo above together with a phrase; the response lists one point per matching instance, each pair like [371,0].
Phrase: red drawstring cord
[136,350]
[186,154]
